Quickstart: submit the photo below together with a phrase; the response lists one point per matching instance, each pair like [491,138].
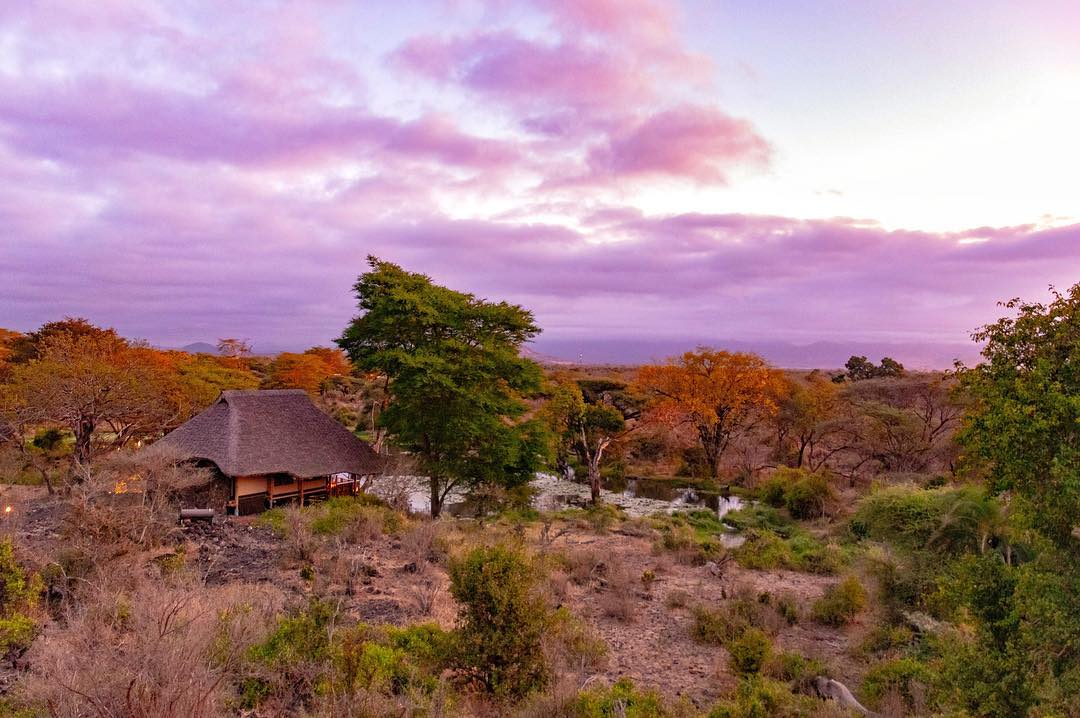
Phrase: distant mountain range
[817,355]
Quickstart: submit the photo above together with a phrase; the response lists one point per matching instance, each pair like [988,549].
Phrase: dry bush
[129,502]
[150,651]
[420,544]
[558,585]
[584,567]
[373,704]
[619,601]
[639,527]
[677,598]
[397,482]
[424,593]
[300,542]
[365,527]
[557,700]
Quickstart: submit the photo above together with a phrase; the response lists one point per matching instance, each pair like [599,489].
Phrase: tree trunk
[436,498]
[594,481]
[84,433]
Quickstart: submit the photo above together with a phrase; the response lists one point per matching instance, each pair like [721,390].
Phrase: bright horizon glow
[627,169]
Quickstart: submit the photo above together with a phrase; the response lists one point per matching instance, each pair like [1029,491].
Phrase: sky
[636,172]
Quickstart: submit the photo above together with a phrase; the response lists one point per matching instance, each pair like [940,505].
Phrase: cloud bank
[191,172]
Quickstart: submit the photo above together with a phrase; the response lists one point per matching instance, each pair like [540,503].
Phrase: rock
[835,690]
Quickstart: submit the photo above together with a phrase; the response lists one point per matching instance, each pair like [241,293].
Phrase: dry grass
[619,600]
[146,649]
[300,542]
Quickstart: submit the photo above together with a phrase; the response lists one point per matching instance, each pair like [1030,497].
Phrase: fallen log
[197,514]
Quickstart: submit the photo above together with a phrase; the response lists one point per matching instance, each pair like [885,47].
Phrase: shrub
[624,700]
[905,677]
[692,536]
[20,593]
[619,601]
[677,598]
[806,497]
[573,643]
[502,617]
[841,603]
[716,626]
[750,651]
[886,638]
[771,491]
[766,550]
[788,608]
[390,660]
[908,516]
[728,621]
[795,668]
[758,697]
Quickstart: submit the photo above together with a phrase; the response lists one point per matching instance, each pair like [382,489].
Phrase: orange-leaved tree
[306,371]
[94,383]
[717,394]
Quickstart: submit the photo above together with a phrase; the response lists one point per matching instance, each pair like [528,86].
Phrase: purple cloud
[188,172]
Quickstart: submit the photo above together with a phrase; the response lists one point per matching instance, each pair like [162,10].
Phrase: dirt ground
[383,580]
[655,647]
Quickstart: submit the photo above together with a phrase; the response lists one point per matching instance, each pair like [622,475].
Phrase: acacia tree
[307,371]
[236,350]
[89,382]
[718,394]
[456,378]
[587,429]
[807,418]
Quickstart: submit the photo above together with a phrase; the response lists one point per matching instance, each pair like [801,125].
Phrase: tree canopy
[716,393]
[456,377]
[1024,425]
[585,428]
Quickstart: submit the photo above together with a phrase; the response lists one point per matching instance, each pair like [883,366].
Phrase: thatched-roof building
[273,446]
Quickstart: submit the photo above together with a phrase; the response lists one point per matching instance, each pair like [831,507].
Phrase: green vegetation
[503,620]
[20,594]
[841,603]
[760,697]
[693,535]
[804,493]
[774,541]
[623,700]
[905,677]
[750,651]
[455,371]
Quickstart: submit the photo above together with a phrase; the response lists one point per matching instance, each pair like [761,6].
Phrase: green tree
[859,368]
[502,620]
[587,429]
[1023,428]
[1021,433]
[456,378]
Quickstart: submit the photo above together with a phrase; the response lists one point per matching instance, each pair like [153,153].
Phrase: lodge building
[272,446]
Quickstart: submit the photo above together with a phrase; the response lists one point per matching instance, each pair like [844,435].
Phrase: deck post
[270,489]
[300,483]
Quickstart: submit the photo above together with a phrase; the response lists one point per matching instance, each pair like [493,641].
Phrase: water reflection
[667,495]
[680,496]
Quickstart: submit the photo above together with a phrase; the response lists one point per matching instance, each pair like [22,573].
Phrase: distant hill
[199,348]
[544,359]
[817,355]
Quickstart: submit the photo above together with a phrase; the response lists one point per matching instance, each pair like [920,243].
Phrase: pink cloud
[697,143]
[96,116]
[530,76]
[195,170]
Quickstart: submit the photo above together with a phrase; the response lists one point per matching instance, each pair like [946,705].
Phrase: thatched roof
[248,433]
